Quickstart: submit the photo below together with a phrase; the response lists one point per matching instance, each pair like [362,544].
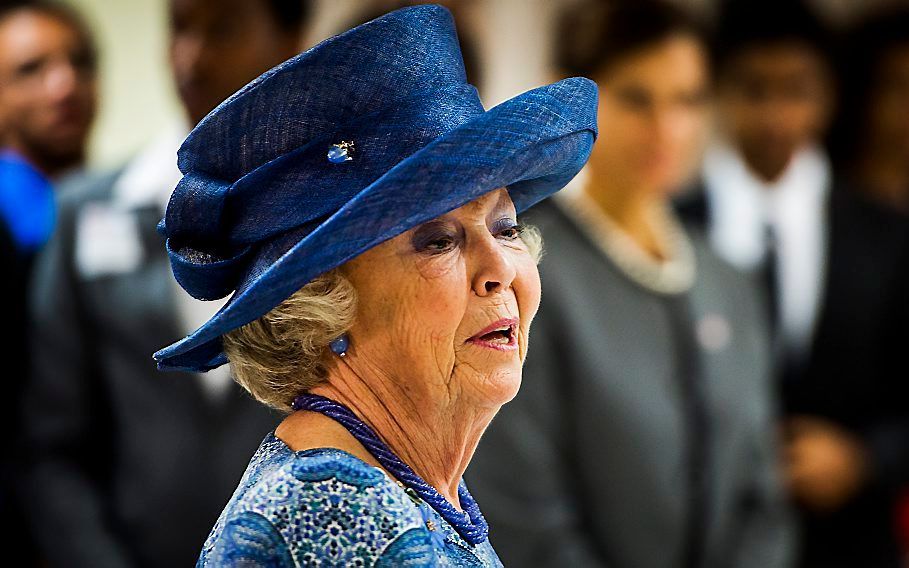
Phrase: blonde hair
[285,352]
[534,241]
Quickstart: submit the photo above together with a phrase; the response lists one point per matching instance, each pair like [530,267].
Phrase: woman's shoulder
[321,505]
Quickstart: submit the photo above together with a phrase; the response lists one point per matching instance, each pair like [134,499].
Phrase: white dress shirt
[743,206]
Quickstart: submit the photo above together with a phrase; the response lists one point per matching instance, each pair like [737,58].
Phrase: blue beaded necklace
[469,524]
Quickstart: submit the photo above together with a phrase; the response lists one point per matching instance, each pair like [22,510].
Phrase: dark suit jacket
[15,536]
[126,466]
[856,373]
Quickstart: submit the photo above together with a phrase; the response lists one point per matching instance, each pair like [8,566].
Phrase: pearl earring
[339,345]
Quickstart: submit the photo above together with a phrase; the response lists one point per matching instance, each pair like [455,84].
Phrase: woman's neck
[435,440]
[632,209]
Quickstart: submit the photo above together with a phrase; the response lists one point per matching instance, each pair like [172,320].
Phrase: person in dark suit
[48,98]
[124,466]
[836,269]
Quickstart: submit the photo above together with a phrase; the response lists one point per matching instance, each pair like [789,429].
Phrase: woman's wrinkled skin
[410,371]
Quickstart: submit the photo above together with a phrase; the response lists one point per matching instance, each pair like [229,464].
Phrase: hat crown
[363,71]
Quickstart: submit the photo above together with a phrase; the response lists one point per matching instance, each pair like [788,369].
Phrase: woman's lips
[500,335]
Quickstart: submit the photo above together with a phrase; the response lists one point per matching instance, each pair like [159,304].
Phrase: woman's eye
[512,233]
[440,244]
[434,237]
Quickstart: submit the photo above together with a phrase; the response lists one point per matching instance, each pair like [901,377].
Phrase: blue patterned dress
[325,507]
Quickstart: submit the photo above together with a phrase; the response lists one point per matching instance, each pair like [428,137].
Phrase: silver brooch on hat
[340,152]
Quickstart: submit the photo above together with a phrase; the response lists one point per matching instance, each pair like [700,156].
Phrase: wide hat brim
[532,144]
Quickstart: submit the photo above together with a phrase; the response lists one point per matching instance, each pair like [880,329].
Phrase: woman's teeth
[498,336]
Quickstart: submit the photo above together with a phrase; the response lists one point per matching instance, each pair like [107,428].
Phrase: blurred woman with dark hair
[643,431]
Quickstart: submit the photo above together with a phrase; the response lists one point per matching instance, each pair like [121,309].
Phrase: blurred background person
[870,138]
[47,84]
[48,97]
[835,269]
[644,428]
[107,438]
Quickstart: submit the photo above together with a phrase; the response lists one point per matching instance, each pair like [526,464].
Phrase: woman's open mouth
[501,335]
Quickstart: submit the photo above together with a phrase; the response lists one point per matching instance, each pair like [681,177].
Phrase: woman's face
[445,308]
[653,105]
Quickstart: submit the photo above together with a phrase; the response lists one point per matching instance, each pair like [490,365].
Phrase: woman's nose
[494,270]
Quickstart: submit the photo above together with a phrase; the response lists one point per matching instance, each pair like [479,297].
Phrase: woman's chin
[512,392]
[500,385]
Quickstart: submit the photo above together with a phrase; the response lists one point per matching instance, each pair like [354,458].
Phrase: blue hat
[357,140]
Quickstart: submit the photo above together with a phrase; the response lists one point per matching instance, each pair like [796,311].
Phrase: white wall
[137,98]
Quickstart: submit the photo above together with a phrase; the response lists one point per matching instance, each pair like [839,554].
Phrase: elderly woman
[361,204]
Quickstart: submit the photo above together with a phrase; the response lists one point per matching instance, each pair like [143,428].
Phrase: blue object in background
[26,202]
